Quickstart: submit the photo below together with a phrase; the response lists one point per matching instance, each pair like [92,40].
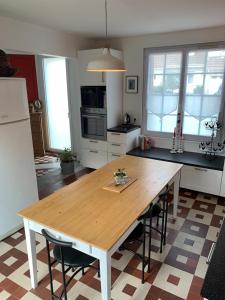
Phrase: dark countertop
[214,284]
[123,128]
[186,158]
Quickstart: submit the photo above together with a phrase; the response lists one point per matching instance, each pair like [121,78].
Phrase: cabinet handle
[93,141]
[92,151]
[117,155]
[201,169]
[115,133]
[210,253]
[117,145]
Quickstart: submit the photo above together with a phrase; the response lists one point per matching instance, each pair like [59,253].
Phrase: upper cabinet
[92,78]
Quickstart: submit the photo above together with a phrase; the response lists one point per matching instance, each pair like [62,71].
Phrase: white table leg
[31,252]
[176,194]
[105,272]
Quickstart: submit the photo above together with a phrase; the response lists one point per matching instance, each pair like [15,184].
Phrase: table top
[85,211]
[186,158]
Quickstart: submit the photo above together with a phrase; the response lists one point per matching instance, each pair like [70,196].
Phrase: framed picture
[132,84]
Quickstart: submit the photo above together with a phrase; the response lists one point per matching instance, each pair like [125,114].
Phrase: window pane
[157,84]
[170,104]
[155,105]
[204,81]
[194,84]
[169,123]
[210,106]
[172,84]
[215,61]
[192,106]
[173,63]
[163,90]
[158,62]
[213,84]
[153,123]
[190,125]
[196,61]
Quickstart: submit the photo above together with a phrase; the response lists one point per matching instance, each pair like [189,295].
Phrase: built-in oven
[94,123]
[93,96]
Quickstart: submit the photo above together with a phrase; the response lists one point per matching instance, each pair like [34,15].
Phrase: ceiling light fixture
[106,62]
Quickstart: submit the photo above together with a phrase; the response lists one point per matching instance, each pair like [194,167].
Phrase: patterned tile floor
[176,274]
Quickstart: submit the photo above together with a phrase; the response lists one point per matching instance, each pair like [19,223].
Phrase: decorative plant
[120,173]
[66,155]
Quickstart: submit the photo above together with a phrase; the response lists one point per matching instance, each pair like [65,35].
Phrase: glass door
[57,108]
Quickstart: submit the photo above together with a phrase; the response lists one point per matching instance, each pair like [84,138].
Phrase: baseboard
[10,232]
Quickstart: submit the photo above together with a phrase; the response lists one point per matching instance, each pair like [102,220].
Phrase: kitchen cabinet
[120,143]
[93,153]
[201,179]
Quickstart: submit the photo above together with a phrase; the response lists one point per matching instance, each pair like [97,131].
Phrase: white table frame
[104,256]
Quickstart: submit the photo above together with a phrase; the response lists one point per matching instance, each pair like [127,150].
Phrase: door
[57,106]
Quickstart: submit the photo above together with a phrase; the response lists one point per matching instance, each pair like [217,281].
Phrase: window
[58,129]
[184,80]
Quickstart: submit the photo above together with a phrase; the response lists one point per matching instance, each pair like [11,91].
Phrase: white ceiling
[126,17]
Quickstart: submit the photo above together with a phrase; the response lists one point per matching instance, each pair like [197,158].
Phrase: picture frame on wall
[132,84]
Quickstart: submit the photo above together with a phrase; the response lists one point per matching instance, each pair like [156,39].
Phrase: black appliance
[93,96]
[94,123]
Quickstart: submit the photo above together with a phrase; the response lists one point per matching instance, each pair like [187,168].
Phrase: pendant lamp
[106,62]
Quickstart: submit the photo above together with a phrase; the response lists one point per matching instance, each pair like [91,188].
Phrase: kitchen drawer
[117,137]
[93,144]
[113,156]
[116,148]
[201,179]
[93,158]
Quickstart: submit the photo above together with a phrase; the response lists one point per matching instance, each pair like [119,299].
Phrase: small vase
[120,180]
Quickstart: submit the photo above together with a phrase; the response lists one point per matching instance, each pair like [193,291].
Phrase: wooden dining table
[96,220]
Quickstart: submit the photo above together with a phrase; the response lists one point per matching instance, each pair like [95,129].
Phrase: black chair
[145,227]
[69,258]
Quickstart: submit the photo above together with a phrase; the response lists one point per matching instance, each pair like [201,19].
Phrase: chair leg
[63,274]
[83,271]
[166,218]
[143,254]
[98,268]
[149,244]
[50,270]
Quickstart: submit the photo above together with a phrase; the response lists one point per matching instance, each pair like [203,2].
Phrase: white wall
[22,36]
[133,47]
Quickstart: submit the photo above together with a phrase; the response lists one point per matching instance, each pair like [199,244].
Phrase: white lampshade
[106,63]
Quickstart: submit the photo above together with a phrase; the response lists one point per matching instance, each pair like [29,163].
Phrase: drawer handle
[92,151]
[201,169]
[117,155]
[210,253]
[93,141]
[117,145]
[115,133]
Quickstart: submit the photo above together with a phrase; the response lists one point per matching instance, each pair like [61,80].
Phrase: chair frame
[75,270]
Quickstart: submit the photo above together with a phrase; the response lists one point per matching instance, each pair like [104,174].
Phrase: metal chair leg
[149,244]
[143,254]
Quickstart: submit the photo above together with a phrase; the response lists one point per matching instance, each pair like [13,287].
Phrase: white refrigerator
[18,184]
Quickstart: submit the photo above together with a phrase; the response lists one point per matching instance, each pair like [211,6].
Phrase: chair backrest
[55,241]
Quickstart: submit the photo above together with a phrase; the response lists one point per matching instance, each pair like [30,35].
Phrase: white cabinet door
[93,144]
[201,179]
[93,158]
[116,148]
[113,156]
[89,78]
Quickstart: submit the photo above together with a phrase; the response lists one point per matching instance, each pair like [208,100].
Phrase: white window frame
[185,49]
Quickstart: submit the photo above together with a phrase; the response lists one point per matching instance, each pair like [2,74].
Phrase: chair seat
[73,257]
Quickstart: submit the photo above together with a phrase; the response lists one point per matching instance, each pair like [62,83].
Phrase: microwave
[93,96]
